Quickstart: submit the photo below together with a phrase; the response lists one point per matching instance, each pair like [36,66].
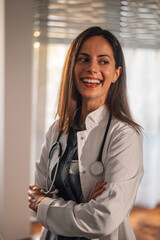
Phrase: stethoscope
[96,168]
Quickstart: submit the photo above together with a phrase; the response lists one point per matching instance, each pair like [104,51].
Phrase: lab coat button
[82,138]
[83,171]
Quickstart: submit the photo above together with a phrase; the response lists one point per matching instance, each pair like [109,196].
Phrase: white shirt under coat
[107,217]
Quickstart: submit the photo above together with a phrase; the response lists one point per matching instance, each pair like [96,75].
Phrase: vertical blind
[135,23]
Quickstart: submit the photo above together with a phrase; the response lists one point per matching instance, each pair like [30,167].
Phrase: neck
[87,107]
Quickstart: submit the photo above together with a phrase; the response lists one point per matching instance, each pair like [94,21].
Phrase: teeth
[91,80]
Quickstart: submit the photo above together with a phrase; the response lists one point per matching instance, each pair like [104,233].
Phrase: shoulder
[124,152]
[122,133]
[52,131]
[53,134]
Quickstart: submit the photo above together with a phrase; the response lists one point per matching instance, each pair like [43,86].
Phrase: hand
[99,189]
[35,196]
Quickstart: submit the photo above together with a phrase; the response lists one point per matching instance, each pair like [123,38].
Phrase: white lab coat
[107,217]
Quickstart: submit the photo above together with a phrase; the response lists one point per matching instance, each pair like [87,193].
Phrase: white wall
[15,80]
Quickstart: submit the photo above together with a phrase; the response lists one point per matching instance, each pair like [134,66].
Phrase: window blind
[135,23]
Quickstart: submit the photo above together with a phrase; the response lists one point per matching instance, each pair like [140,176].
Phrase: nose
[92,66]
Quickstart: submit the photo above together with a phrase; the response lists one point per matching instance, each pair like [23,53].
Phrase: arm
[123,172]
[35,195]
[41,163]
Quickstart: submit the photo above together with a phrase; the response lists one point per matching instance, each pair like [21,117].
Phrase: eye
[82,59]
[104,62]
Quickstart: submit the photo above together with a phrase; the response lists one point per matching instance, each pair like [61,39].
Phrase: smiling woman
[95,70]
[102,45]
[88,153]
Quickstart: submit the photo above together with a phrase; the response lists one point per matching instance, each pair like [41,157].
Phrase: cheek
[109,74]
[78,70]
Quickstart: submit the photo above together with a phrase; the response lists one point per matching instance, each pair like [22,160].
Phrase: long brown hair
[69,97]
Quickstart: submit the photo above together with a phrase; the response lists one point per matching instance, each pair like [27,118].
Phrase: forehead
[97,45]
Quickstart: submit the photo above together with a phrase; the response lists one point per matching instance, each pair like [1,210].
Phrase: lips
[91,82]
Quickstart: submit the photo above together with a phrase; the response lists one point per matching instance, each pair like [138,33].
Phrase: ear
[117,74]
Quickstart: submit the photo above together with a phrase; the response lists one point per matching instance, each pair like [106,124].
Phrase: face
[95,70]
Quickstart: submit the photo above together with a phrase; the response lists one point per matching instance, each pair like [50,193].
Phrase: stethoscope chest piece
[96,168]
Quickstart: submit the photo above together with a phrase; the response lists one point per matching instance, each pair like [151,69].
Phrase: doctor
[98,172]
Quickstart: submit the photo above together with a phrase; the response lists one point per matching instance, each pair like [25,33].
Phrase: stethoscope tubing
[53,147]
[57,143]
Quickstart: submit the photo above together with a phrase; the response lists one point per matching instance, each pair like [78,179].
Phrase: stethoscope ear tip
[42,191]
[56,191]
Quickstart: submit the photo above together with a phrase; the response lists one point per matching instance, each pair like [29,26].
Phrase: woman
[101,163]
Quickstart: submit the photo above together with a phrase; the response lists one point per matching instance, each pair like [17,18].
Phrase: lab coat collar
[98,116]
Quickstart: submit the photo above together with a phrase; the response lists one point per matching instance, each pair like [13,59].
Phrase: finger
[29,199]
[32,206]
[36,188]
[32,200]
[99,186]
[31,186]
[31,193]
[98,193]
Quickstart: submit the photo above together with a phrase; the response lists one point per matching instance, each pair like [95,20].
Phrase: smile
[91,81]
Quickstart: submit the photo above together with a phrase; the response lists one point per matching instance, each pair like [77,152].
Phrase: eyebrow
[101,55]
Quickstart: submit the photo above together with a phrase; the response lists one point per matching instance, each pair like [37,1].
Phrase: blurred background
[34,38]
